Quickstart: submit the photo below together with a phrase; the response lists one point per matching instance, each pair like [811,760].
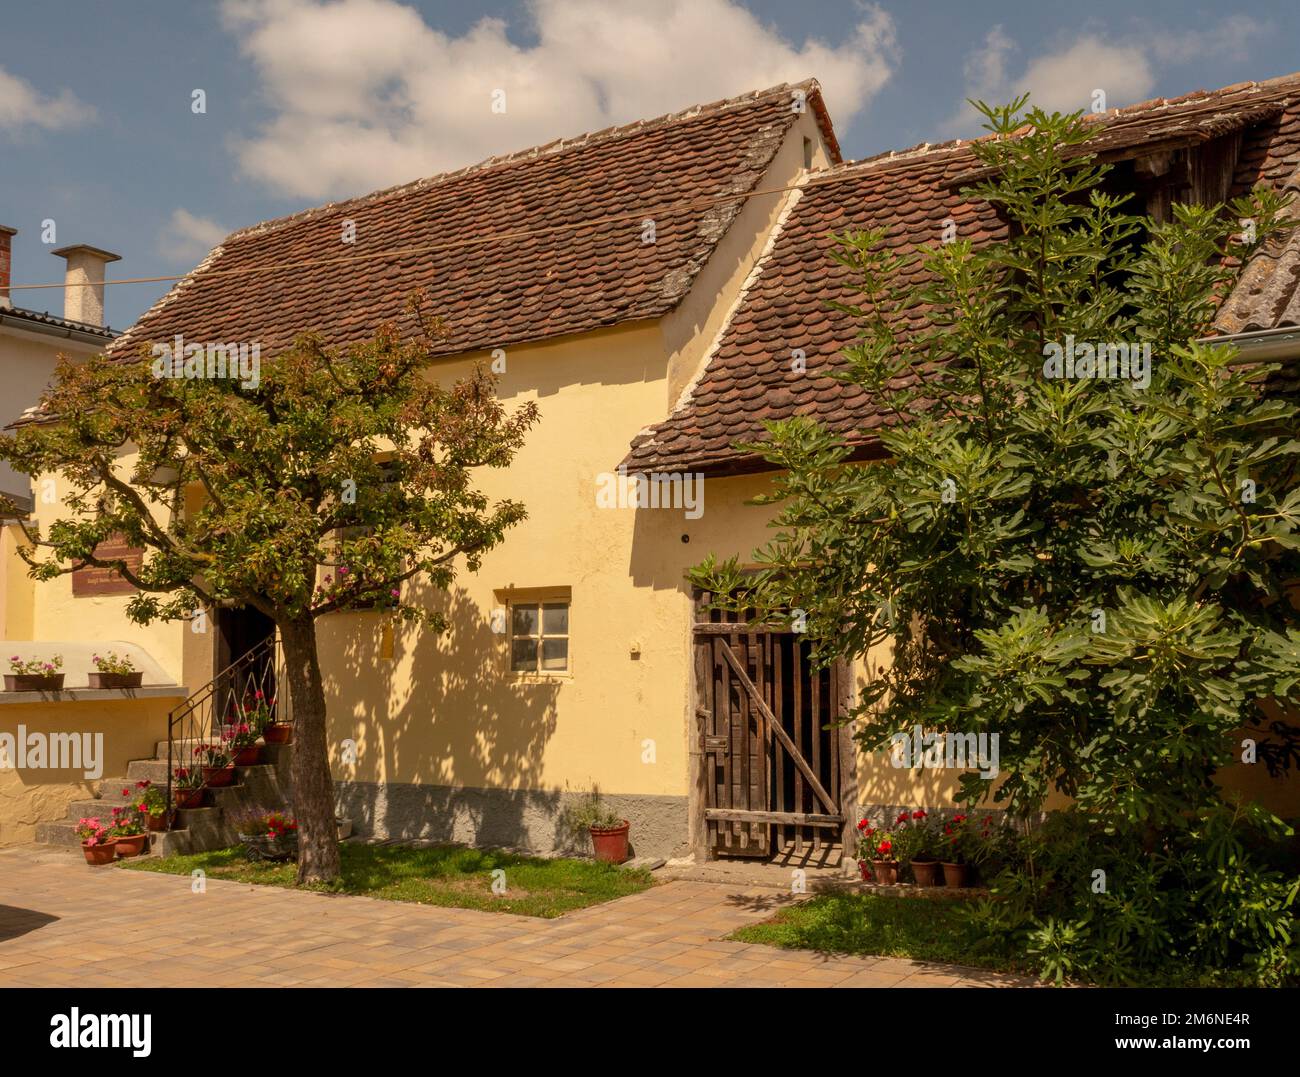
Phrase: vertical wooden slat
[742,743]
[774,779]
[815,740]
[721,727]
[796,736]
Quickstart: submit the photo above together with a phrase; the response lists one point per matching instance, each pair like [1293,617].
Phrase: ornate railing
[250,691]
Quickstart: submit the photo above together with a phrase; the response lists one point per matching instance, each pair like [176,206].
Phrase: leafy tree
[339,477]
[1101,571]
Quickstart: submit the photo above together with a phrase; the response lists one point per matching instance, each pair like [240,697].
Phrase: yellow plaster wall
[130,728]
[446,710]
[17,589]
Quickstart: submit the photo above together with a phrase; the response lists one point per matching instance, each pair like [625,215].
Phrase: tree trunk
[313,788]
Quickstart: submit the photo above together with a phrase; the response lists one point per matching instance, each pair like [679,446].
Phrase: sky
[152,128]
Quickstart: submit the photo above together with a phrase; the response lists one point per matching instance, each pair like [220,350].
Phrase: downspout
[1263,345]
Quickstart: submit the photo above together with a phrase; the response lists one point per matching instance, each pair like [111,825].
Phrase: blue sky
[308,101]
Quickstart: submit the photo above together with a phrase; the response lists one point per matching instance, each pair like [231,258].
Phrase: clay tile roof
[549,278]
[747,377]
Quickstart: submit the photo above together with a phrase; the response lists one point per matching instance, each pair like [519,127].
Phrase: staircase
[201,720]
[194,830]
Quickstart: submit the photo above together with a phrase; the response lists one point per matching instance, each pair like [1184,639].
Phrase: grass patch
[448,875]
[923,929]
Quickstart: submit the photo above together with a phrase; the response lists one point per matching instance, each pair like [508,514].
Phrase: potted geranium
[242,739]
[268,835]
[34,675]
[917,843]
[876,847]
[113,671]
[130,830]
[187,787]
[959,841]
[218,770]
[262,712]
[151,802]
[607,828]
[96,841]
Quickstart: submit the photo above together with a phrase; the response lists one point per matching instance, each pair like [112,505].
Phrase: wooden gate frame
[696,754]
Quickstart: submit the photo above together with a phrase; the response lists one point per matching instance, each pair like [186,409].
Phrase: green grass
[449,875]
[924,929]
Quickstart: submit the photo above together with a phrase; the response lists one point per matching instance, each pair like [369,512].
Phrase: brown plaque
[92,580]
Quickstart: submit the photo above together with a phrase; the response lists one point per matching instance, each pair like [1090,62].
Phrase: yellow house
[657,290]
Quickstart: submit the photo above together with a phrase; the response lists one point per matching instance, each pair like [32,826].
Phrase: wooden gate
[773,773]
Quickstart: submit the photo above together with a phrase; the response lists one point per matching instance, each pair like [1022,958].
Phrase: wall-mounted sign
[92,580]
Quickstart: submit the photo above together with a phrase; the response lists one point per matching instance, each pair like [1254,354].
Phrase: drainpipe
[1264,345]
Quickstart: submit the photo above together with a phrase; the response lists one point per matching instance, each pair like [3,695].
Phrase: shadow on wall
[427,738]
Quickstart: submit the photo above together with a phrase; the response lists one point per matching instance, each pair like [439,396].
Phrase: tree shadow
[429,736]
[16,921]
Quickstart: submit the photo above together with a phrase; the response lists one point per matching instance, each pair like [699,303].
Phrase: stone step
[153,769]
[260,788]
[185,748]
[64,834]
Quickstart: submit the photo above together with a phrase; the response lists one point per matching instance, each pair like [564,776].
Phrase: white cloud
[187,238]
[1064,79]
[365,94]
[22,105]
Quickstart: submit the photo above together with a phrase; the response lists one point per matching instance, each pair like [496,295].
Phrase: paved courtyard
[63,923]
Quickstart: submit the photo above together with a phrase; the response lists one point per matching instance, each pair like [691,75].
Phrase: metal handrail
[204,717]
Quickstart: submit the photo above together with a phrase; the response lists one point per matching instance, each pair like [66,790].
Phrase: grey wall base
[529,819]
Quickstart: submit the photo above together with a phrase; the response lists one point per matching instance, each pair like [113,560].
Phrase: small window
[539,637]
[807,153]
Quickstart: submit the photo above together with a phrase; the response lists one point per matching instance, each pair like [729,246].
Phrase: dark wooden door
[772,758]
[239,630]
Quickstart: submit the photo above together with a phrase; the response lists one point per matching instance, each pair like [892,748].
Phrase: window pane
[523,654]
[524,620]
[555,619]
[555,654]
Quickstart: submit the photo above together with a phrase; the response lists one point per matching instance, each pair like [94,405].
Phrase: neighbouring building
[647,286]
[31,342]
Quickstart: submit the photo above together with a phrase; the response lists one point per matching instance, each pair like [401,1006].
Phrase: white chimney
[83,283]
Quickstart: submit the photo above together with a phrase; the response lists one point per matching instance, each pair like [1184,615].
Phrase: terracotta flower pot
[131,844]
[610,843]
[954,874]
[886,872]
[100,853]
[33,682]
[159,821]
[278,733]
[925,872]
[116,680]
[219,776]
[188,798]
[247,757]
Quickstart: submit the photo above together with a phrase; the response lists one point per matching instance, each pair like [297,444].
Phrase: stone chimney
[83,284]
[6,237]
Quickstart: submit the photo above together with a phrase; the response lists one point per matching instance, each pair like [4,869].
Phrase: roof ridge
[921,151]
[1210,100]
[532,153]
[1277,86]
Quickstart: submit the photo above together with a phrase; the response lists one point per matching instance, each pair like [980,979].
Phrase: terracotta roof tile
[910,193]
[550,279]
